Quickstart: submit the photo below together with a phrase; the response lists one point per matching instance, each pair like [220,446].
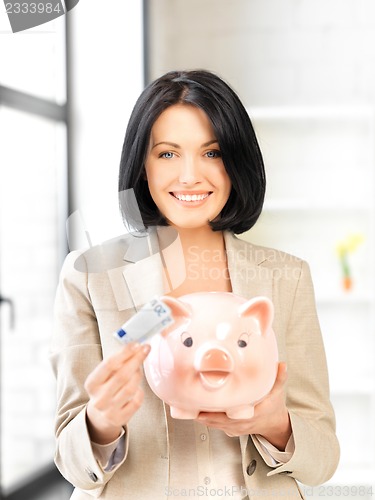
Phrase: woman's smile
[191,198]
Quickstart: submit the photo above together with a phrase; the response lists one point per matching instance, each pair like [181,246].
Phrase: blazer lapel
[147,259]
[249,277]
[143,273]
[144,279]
[138,275]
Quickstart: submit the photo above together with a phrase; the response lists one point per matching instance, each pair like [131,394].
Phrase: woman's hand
[115,393]
[271,417]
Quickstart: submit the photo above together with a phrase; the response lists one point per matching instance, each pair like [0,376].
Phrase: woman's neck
[202,238]
[197,262]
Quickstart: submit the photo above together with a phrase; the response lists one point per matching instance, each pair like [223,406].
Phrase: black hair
[234,132]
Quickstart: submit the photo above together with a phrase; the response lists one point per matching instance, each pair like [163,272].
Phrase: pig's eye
[188,342]
[243,340]
[186,339]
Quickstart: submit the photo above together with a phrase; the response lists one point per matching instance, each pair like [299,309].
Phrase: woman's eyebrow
[174,145]
[213,141]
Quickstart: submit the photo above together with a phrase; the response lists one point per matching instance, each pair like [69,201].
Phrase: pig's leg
[183,414]
[240,412]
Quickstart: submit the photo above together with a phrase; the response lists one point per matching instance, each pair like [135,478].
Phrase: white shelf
[298,205]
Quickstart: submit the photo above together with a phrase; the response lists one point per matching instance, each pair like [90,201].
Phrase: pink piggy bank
[220,355]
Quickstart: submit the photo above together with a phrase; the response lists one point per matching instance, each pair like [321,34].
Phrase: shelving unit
[320,177]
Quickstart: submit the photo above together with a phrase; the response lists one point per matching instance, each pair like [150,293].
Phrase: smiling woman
[191,156]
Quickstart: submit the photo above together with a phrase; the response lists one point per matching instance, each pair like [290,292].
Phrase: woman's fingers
[281,378]
[114,391]
[108,366]
[116,379]
[121,415]
[132,405]
[131,355]
[121,378]
[126,391]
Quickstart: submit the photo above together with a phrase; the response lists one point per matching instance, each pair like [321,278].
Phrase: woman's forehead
[180,122]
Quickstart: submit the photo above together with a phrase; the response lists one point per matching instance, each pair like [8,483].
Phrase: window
[33,167]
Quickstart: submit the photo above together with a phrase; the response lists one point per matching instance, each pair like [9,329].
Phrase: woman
[192,163]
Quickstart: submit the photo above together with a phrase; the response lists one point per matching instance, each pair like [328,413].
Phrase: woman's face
[184,169]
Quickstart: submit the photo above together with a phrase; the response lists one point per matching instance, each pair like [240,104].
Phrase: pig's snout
[214,360]
[214,367]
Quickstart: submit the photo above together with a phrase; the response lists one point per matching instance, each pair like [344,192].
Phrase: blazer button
[251,468]
[92,475]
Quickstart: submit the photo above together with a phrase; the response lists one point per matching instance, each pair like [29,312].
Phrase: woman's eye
[168,155]
[213,154]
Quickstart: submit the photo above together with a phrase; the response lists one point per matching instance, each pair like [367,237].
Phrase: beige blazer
[101,288]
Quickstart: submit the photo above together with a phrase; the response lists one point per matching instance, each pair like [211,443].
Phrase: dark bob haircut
[234,132]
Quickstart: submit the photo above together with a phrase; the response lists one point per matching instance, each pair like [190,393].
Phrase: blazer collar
[246,264]
[148,256]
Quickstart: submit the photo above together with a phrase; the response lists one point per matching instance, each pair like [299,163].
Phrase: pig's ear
[261,309]
[179,309]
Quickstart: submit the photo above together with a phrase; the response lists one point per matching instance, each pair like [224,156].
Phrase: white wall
[273,52]
[106,79]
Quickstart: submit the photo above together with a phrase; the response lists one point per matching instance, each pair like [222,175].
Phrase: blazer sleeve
[75,351]
[316,454]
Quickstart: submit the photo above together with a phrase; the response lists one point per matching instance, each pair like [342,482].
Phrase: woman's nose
[189,171]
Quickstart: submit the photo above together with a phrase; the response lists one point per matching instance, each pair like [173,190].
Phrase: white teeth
[188,197]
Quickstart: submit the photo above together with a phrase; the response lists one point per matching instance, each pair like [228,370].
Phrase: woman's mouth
[191,197]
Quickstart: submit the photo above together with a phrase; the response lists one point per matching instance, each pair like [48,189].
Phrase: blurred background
[305,70]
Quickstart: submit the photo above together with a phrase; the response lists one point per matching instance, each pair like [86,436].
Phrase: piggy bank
[220,355]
